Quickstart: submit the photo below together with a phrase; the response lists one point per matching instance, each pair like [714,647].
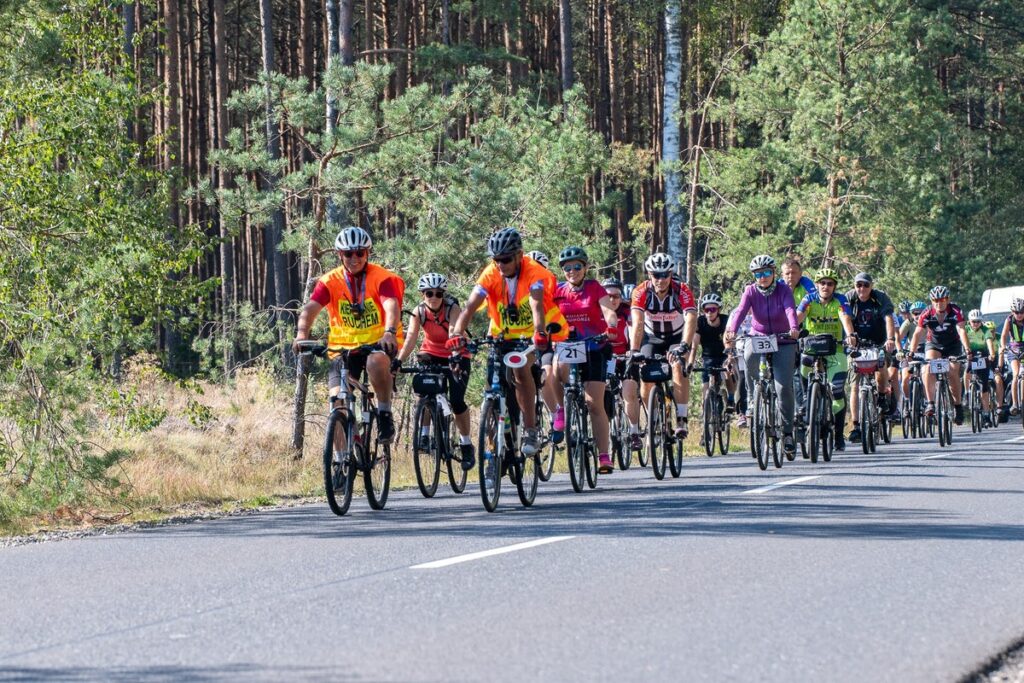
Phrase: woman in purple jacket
[770,303]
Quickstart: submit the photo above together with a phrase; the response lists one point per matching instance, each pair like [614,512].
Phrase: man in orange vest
[364,302]
[519,293]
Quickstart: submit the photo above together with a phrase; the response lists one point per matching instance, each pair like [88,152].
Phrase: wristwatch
[391,330]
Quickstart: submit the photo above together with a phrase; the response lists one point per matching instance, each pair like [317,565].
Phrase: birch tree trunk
[670,154]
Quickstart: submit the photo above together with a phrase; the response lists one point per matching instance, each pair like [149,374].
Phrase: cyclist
[981,338]
[906,332]
[434,316]
[711,324]
[872,312]
[944,325]
[540,257]
[619,338]
[771,303]
[902,315]
[589,311]
[519,293]
[1011,342]
[825,312]
[665,316]
[793,274]
[364,304]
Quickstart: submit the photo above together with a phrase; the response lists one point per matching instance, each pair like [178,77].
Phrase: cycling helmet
[918,306]
[505,241]
[1017,305]
[974,316]
[540,257]
[352,237]
[432,281]
[938,292]
[710,298]
[612,282]
[762,261]
[827,274]
[573,254]
[905,306]
[627,291]
[659,262]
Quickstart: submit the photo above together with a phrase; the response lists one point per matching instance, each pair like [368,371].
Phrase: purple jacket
[772,314]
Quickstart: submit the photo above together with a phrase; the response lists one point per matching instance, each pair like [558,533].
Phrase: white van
[995,303]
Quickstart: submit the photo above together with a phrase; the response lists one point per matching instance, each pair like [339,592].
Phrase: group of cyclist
[659,317]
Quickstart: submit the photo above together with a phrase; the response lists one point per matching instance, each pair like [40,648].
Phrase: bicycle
[766,425]
[618,422]
[717,419]
[362,452]
[874,423]
[433,409]
[662,446]
[912,411]
[820,438]
[975,391]
[499,437]
[579,438]
[939,367]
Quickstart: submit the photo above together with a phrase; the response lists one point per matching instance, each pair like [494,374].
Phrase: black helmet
[612,282]
[573,254]
[505,241]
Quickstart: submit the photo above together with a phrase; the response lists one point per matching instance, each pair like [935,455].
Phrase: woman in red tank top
[433,316]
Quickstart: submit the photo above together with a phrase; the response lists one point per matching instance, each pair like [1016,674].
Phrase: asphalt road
[907,565]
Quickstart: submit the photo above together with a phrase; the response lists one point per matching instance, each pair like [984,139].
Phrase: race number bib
[572,353]
[763,344]
[938,365]
[868,356]
[979,364]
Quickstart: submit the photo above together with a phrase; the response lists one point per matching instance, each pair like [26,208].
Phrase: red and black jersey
[942,332]
[664,316]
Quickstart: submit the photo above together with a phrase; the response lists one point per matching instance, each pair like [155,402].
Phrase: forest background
[172,173]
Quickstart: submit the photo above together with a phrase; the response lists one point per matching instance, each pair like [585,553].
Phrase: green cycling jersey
[979,338]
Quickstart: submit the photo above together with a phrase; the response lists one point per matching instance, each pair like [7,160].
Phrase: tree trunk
[670,135]
[227,246]
[171,155]
[565,37]
[277,263]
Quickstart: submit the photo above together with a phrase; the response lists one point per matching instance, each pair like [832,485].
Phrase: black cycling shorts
[946,350]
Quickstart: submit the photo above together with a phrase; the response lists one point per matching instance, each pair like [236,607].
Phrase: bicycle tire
[674,446]
[873,414]
[708,419]
[575,441]
[758,431]
[976,419]
[457,475]
[813,424]
[940,412]
[546,456]
[864,417]
[490,447]
[778,457]
[527,477]
[642,456]
[623,452]
[338,477]
[590,461]
[725,434]
[377,474]
[427,464]
[656,431]
[885,426]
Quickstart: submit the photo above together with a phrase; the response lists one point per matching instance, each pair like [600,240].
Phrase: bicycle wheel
[773,433]
[453,456]
[490,447]
[377,472]
[975,400]
[813,423]
[827,431]
[642,456]
[590,459]
[885,427]
[527,476]
[427,463]
[338,476]
[916,412]
[873,416]
[546,456]
[656,430]
[759,430]
[575,441]
[708,415]
[620,435]
[724,429]
[940,413]
[864,418]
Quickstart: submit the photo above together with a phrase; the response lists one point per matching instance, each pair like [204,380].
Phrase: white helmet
[974,315]
[1017,305]
[352,237]
[432,281]
[540,257]
[762,261]
[659,262]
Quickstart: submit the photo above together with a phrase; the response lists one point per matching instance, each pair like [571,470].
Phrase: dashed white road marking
[788,482]
[437,564]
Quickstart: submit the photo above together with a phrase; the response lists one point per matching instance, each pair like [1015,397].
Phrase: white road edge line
[437,564]
[1019,438]
[935,457]
[788,482]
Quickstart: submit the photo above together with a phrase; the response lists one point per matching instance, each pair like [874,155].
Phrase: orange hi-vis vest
[510,311]
[351,328]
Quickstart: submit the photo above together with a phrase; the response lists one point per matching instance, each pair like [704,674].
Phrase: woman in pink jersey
[434,316]
[589,311]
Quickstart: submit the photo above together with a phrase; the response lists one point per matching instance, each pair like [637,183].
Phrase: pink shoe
[558,424]
[605,466]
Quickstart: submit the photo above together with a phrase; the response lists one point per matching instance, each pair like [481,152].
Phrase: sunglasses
[711,309]
[431,294]
[826,283]
[354,253]
[504,260]
[763,273]
[942,300]
[575,268]
[862,285]
[661,274]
